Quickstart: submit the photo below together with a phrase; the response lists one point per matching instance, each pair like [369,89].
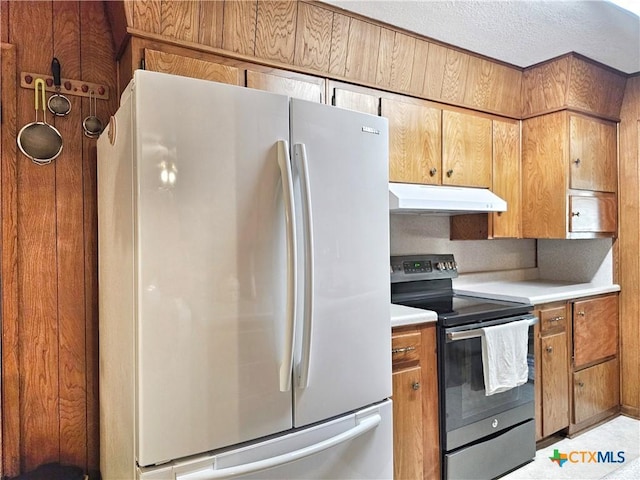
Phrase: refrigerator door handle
[284,162]
[300,153]
[364,425]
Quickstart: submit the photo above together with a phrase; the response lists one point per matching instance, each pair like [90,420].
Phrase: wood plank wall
[629,245]
[49,252]
[319,39]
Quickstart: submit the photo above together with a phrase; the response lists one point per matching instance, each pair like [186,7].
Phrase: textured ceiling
[520,32]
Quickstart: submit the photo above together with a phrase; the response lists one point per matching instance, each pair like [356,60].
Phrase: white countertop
[401,316]
[535,292]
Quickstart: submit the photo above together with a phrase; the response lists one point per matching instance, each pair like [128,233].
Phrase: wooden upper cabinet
[360,102]
[506,178]
[593,154]
[569,176]
[466,149]
[414,142]
[165,62]
[506,184]
[285,83]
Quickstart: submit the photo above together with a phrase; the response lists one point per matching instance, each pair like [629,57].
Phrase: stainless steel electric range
[481,436]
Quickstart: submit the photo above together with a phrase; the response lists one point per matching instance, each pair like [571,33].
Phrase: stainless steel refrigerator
[244,286]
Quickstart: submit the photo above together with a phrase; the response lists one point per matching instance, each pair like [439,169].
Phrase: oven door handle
[475,333]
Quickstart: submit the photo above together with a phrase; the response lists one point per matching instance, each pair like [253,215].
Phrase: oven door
[468,413]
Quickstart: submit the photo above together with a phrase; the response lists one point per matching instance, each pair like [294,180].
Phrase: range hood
[440,200]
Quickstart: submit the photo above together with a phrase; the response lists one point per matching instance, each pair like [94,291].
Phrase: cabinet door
[594,214]
[407,424]
[430,414]
[506,177]
[593,154]
[191,67]
[414,142]
[595,390]
[595,329]
[285,84]
[466,150]
[360,102]
[555,383]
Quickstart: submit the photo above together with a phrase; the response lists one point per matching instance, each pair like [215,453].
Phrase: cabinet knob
[415,385]
[449,173]
[575,214]
[577,161]
[549,349]
[581,384]
[581,313]
[433,171]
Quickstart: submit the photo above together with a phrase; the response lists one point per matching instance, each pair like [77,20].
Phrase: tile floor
[622,434]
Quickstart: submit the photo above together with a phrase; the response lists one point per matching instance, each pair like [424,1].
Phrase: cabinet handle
[402,350]
[433,171]
[549,349]
[449,173]
[577,161]
[581,313]
[575,214]
[415,385]
[556,319]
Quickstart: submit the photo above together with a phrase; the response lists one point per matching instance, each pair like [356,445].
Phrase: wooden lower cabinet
[416,447]
[552,370]
[595,391]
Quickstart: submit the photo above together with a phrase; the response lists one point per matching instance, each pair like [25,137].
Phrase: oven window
[465,399]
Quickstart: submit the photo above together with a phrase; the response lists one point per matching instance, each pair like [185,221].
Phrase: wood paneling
[418,67]
[275,30]
[572,81]
[544,86]
[384,65]
[147,15]
[595,88]
[435,72]
[362,51]
[629,246]
[69,205]
[10,408]
[313,37]
[191,67]
[402,62]
[49,286]
[239,29]
[4,22]
[455,76]
[211,23]
[339,41]
[181,20]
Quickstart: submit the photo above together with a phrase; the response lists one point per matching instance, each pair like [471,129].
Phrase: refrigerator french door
[243,250]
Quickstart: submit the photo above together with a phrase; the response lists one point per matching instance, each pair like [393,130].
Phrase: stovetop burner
[424,281]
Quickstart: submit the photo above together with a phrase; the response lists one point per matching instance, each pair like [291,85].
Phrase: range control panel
[407,268]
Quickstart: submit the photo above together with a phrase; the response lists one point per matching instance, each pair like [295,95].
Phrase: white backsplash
[416,234]
[576,260]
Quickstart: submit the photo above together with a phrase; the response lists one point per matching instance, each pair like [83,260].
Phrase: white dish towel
[504,356]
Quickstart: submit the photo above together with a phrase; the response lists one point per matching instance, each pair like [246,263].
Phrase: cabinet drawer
[553,320]
[597,214]
[405,348]
[595,390]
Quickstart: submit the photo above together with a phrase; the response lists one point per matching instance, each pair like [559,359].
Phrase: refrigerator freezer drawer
[355,446]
